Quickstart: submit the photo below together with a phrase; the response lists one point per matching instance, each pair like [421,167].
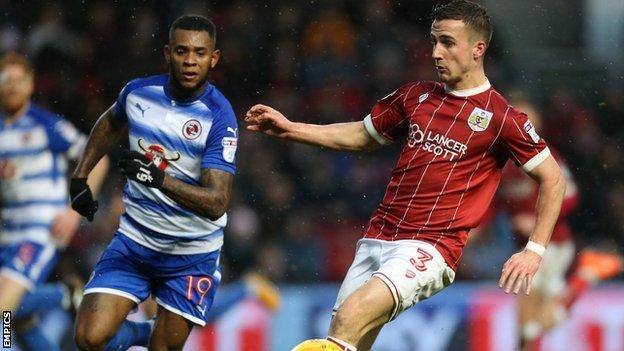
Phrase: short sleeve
[65,138]
[526,148]
[387,120]
[120,105]
[222,142]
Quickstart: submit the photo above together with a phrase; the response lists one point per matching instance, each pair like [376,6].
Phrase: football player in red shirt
[457,135]
[552,295]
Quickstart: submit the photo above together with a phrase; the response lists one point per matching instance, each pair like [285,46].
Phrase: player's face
[16,88]
[455,50]
[191,55]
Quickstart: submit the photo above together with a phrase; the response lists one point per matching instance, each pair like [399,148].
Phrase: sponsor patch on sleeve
[530,130]
[229,148]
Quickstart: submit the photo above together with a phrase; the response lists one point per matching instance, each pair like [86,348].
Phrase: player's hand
[64,226]
[139,168]
[262,118]
[519,268]
[82,198]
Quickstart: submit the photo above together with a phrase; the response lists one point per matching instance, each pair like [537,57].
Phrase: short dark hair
[472,14]
[194,22]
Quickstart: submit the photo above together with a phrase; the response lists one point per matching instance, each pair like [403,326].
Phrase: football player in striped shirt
[36,221]
[180,167]
[457,135]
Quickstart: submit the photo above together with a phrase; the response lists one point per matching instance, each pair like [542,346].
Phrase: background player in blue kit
[183,137]
[36,222]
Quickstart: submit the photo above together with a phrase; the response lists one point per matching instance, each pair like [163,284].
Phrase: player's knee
[90,339]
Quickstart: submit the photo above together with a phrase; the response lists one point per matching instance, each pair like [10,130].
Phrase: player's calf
[170,332]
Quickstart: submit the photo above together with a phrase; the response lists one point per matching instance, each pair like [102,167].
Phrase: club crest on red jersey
[158,154]
[479,119]
[192,129]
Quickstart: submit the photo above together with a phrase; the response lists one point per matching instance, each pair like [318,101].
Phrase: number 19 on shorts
[199,285]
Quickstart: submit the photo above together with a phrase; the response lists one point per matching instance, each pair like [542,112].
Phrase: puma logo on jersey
[137,105]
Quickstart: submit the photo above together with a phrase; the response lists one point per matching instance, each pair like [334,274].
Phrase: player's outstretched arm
[338,136]
[522,266]
[104,134]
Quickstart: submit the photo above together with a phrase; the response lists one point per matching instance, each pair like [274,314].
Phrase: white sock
[345,345]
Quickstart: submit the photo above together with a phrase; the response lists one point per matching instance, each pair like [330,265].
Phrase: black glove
[82,198]
[141,169]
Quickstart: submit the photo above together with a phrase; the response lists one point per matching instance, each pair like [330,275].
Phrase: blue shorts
[28,262]
[182,284]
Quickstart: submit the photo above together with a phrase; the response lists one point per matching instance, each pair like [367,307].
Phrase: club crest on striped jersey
[423,97]
[479,119]
[158,154]
[192,129]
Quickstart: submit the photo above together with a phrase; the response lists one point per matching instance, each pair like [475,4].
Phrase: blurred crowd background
[297,211]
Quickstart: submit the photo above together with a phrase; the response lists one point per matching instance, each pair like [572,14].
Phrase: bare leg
[529,313]
[99,318]
[366,343]
[170,332]
[365,311]
[11,293]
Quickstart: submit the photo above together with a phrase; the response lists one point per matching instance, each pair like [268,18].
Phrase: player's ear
[167,53]
[30,81]
[216,54]
[479,49]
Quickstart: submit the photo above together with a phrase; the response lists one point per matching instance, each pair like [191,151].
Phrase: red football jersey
[456,145]
[518,194]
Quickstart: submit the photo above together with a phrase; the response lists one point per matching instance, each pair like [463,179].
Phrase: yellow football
[317,345]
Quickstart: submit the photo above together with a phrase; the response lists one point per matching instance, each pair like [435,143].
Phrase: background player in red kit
[458,134]
[552,295]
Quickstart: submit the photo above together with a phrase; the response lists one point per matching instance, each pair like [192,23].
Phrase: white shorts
[413,270]
[550,278]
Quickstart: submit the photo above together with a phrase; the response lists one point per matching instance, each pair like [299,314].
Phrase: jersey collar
[469,92]
[207,90]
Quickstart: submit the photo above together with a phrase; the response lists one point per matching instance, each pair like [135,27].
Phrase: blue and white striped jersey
[35,149]
[182,138]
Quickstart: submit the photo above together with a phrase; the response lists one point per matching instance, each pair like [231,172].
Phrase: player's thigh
[188,287]
[413,271]
[116,286]
[550,279]
[529,306]
[99,317]
[24,266]
[170,332]
[365,262]
[369,307]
